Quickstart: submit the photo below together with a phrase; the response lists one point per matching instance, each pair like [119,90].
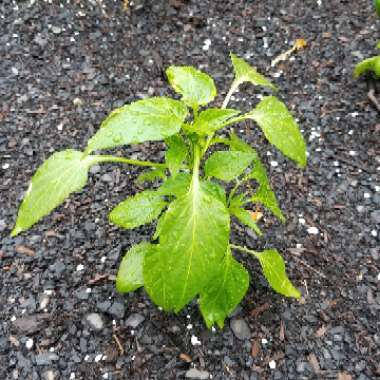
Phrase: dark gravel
[64,65]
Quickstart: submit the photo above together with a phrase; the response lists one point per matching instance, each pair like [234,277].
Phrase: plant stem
[233,191]
[108,158]
[232,89]
[244,249]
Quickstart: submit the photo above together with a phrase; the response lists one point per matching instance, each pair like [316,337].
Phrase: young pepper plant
[191,254]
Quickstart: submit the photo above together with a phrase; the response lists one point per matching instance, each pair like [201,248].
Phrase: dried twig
[373,99]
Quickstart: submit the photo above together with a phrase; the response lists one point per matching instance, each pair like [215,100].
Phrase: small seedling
[191,254]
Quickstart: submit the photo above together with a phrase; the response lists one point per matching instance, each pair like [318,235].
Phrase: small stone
[313,230]
[134,320]
[194,373]
[195,341]
[56,29]
[117,310]
[272,364]
[46,358]
[95,321]
[29,344]
[375,215]
[240,329]
[50,375]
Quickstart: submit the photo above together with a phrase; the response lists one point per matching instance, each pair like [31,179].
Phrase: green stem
[233,88]
[233,191]
[107,158]
[244,249]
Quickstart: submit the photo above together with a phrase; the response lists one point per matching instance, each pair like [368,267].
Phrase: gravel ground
[64,65]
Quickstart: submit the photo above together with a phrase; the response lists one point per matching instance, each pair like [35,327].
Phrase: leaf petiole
[245,249]
[108,158]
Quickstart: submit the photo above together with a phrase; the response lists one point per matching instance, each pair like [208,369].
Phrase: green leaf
[214,190]
[280,128]
[378,45]
[194,235]
[238,144]
[370,64]
[264,193]
[238,200]
[377,6]
[151,175]
[212,119]
[145,120]
[224,291]
[273,267]
[197,88]
[140,209]
[227,165]
[176,154]
[60,175]
[130,274]
[245,217]
[246,73]
[176,186]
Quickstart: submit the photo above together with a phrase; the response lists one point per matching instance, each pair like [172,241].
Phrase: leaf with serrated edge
[196,87]
[130,274]
[176,153]
[60,175]
[246,73]
[370,64]
[245,217]
[212,119]
[227,165]
[140,209]
[264,194]
[280,128]
[150,119]
[193,237]
[273,267]
[224,291]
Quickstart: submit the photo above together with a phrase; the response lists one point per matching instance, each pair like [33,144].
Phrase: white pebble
[378,277]
[206,44]
[88,290]
[98,358]
[264,341]
[13,318]
[274,163]
[367,195]
[48,292]
[272,364]
[72,375]
[5,166]
[374,233]
[313,230]
[352,153]
[301,220]
[195,341]
[29,344]
[103,259]
[189,326]
[80,267]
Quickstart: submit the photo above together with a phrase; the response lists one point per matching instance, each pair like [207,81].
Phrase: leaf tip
[16,230]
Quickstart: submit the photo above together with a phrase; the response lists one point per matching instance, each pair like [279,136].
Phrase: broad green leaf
[214,190]
[176,186]
[151,175]
[140,209]
[370,64]
[245,217]
[227,165]
[197,88]
[280,128]
[264,194]
[246,73]
[130,274]
[60,175]
[224,291]
[212,119]
[238,144]
[145,120]
[194,235]
[274,271]
[176,153]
